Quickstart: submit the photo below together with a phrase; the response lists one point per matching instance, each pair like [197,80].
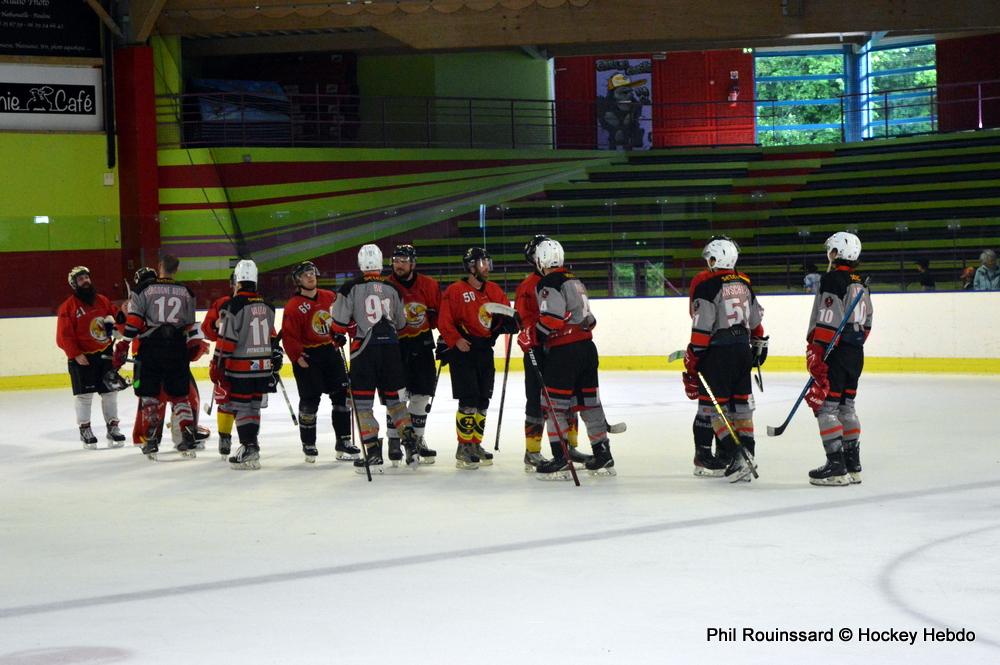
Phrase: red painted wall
[689,96]
[44,282]
[968,60]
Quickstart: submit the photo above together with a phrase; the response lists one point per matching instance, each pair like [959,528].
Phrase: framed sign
[50,28]
[40,97]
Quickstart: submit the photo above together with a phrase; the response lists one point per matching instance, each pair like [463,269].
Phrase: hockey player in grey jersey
[247,358]
[161,316]
[835,380]
[570,373]
[371,309]
[727,337]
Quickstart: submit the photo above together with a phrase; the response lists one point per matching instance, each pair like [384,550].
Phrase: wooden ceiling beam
[143,15]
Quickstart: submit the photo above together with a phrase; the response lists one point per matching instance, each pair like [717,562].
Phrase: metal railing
[248,119]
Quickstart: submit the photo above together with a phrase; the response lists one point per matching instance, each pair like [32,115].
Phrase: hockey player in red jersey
[469,332]
[526,304]
[84,331]
[727,337]
[318,366]
[421,300]
[226,415]
[571,381]
[246,359]
[835,379]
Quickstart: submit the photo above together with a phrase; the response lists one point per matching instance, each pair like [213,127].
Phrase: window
[799,96]
[898,83]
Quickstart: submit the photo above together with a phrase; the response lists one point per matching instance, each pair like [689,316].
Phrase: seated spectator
[811,280]
[988,274]
[926,280]
[966,278]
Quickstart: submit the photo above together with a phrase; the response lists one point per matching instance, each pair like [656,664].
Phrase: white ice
[106,557]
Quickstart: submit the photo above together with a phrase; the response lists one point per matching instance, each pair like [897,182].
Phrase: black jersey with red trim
[837,290]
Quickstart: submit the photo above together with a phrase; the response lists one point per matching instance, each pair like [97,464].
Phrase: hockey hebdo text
[864,635]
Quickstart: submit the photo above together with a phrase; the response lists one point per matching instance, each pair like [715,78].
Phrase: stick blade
[676,355]
[776,431]
[617,428]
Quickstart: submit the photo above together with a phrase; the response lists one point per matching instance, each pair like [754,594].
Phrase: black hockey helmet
[144,275]
[303,267]
[474,254]
[407,252]
[529,249]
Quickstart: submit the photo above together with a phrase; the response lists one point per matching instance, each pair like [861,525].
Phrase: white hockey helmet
[723,250]
[76,272]
[549,254]
[245,271]
[370,258]
[848,245]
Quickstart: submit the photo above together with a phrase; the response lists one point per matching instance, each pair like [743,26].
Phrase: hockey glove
[221,392]
[277,359]
[759,345]
[504,325]
[339,340]
[690,385]
[526,339]
[120,354]
[588,323]
[691,360]
[441,351]
[109,327]
[817,393]
[215,372]
[196,349]
[817,367]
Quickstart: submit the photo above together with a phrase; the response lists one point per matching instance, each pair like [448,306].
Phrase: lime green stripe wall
[61,176]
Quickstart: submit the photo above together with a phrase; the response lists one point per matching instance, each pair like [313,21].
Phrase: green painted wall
[396,75]
[62,176]
[508,74]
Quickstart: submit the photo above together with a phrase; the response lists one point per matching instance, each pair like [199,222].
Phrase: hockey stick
[503,393]
[780,429]
[758,378]
[548,401]
[729,426]
[357,416]
[676,355]
[281,384]
[437,377]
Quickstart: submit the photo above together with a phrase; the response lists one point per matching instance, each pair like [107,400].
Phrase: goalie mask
[114,381]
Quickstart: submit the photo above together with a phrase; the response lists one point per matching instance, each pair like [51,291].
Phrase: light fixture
[41,219]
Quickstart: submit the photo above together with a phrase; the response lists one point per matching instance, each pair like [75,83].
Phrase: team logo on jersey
[485,318]
[828,302]
[321,322]
[416,314]
[696,305]
[97,329]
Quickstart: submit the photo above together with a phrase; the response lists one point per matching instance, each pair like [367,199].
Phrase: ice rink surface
[109,558]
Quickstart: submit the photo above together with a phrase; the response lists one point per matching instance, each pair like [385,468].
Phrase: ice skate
[852,462]
[345,450]
[706,465]
[201,434]
[150,449]
[466,457]
[556,468]
[115,437]
[532,461]
[373,460]
[485,457]
[247,457]
[225,444]
[410,446]
[602,464]
[833,473]
[87,436]
[740,468]
[427,455]
[187,445]
[577,457]
[310,451]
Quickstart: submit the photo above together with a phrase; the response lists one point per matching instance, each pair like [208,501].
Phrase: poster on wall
[51,28]
[624,104]
[40,97]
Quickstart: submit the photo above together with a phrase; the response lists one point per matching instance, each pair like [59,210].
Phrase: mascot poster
[624,104]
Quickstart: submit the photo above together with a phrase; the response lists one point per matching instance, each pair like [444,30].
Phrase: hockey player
[225,416]
[570,375]
[835,383]
[84,331]
[421,300]
[161,316]
[727,335]
[526,304]
[318,366]
[469,332]
[372,307]
[246,359]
